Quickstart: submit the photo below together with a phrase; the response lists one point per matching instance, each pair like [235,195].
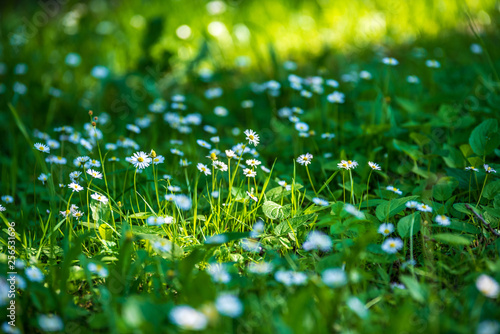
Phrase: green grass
[114,271]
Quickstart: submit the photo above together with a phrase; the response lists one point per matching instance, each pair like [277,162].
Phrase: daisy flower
[472,168]
[442,220]
[252,137]
[204,144]
[42,147]
[334,277]
[347,164]
[351,209]
[77,214]
[220,165]
[252,196]
[412,204]
[188,318]
[33,274]
[336,97]
[260,268]
[140,160]
[97,269]
[204,169]
[100,198]
[159,159]
[253,162]
[424,208]
[317,240]
[8,199]
[43,177]
[431,63]
[50,323]
[374,166]
[413,79]
[390,61]
[327,135]
[305,159]
[488,286]
[488,169]
[94,174]
[301,126]
[265,169]
[385,229]
[320,201]
[229,305]
[392,245]
[230,154]
[183,202]
[249,173]
[176,152]
[75,187]
[285,185]
[394,189]
[2,208]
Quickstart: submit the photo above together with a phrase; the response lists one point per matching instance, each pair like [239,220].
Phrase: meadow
[249,167]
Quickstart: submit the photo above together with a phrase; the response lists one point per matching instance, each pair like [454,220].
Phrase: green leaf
[452,239]
[485,137]
[444,188]
[411,150]
[140,215]
[491,189]
[274,211]
[414,288]
[295,223]
[390,208]
[404,225]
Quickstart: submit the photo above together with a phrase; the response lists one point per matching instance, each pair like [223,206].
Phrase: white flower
[252,137]
[285,185]
[260,268]
[357,306]
[75,187]
[412,204]
[289,278]
[155,221]
[100,198]
[140,160]
[301,126]
[252,196]
[432,63]
[133,128]
[424,208]
[94,174]
[34,274]
[265,169]
[320,201]
[97,269]
[249,173]
[374,166]
[188,318]
[488,286]
[336,97]
[257,229]
[204,169]
[365,75]
[253,162]
[334,277]
[43,177]
[488,327]
[386,229]
[442,220]
[413,79]
[2,208]
[230,154]
[8,199]
[163,245]
[472,168]
[392,245]
[219,273]
[229,305]
[50,323]
[351,209]
[488,169]
[220,165]
[305,159]
[317,240]
[183,202]
[390,61]
[347,164]
[394,189]
[159,159]
[42,147]
[328,135]
[204,144]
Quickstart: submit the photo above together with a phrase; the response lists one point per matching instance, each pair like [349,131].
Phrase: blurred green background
[161,45]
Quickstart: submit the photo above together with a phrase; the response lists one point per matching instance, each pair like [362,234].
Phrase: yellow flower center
[392,244]
[140,159]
